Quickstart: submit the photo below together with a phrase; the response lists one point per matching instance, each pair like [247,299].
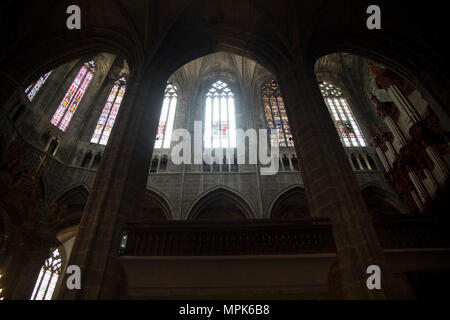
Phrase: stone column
[367,161]
[351,162]
[331,187]
[118,190]
[358,159]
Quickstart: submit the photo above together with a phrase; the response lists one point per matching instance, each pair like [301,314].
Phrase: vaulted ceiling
[171,33]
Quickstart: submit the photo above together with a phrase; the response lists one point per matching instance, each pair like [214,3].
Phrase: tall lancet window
[167,117]
[220,122]
[71,100]
[32,90]
[108,117]
[276,115]
[48,277]
[346,125]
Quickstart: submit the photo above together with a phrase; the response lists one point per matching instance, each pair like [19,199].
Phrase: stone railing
[413,232]
[231,238]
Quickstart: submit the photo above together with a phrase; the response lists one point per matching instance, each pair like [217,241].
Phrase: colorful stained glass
[346,125]
[32,90]
[220,122]
[108,117]
[167,118]
[72,99]
[276,115]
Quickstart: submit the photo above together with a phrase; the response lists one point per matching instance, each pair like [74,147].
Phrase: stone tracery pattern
[276,115]
[166,120]
[33,89]
[108,117]
[72,99]
[48,277]
[220,123]
[346,125]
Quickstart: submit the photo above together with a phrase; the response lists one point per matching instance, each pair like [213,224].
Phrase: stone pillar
[118,190]
[331,187]
[367,161]
[358,159]
[351,162]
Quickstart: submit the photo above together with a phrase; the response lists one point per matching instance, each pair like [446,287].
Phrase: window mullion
[38,286]
[109,113]
[166,116]
[73,96]
[48,285]
[228,123]
[344,134]
[282,122]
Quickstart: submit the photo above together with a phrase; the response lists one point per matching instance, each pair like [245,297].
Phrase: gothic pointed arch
[220,204]
[69,206]
[381,202]
[290,203]
[156,207]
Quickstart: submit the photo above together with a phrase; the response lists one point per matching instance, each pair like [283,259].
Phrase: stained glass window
[167,117]
[48,277]
[346,125]
[220,122]
[108,117]
[32,90]
[71,100]
[276,115]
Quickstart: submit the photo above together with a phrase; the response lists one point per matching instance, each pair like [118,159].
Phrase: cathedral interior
[358,121]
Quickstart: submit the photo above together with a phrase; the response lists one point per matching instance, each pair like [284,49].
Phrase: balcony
[268,237]
[232,238]
[413,232]
[261,258]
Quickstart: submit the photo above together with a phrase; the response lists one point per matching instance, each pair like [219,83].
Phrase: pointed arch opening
[156,207]
[70,205]
[290,204]
[221,204]
[381,203]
